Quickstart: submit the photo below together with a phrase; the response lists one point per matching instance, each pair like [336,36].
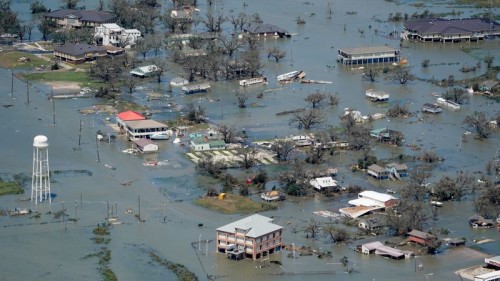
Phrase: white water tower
[40,182]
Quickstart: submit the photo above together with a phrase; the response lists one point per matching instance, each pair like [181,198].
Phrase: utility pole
[139,202]
[27,91]
[76,214]
[97,149]
[53,111]
[80,135]
[12,80]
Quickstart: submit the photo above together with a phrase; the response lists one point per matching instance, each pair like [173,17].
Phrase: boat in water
[448,104]
[160,136]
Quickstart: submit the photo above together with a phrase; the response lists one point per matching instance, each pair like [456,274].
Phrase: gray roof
[78,49]
[259,28]
[368,50]
[82,15]
[255,226]
[420,234]
[397,166]
[143,142]
[145,124]
[376,168]
[452,26]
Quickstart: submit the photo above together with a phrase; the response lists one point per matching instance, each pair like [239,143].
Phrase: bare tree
[333,99]
[255,18]
[399,111]
[70,4]
[457,95]
[156,43]
[276,53]
[283,148]
[252,62]
[314,154]
[100,5]
[143,47]
[29,29]
[308,118]
[478,121]
[107,70]
[371,75]
[407,215]
[212,22]
[247,155]
[488,60]
[242,20]
[242,99]
[161,64]
[231,45]
[228,132]
[195,113]
[315,99]
[337,234]
[169,22]
[312,228]
[487,203]
[402,74]
[130,83]
[358,137]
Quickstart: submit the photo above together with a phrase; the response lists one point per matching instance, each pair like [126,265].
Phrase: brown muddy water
[48,249]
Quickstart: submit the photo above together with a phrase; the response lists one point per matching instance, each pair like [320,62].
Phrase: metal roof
[420,234]
[368,50]
[143,142]
[376,168]
[79,49]
[145,124]
[376,196]
[255,226]
[259,28]
[452,26]
[83,15]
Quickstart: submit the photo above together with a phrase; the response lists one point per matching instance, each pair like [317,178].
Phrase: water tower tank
[40,180]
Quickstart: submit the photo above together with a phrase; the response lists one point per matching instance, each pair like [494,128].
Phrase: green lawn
[68,76]
[12,60]
[10,188]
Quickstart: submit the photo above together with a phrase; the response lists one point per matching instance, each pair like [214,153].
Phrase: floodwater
[49,249]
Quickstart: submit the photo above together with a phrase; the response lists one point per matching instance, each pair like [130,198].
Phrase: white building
[111,34]
[373,199]
[490,276]
[253,237]
[146,145]
[324,182]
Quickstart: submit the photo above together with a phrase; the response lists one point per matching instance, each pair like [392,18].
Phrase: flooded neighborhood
[250,140]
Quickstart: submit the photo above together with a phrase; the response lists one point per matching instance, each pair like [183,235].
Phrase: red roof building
[125,116]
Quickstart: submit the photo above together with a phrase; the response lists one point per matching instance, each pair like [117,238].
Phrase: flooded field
[46,248]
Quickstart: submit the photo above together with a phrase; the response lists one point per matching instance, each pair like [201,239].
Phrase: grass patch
[234,204]
[11,60]
[182,273]
[68,76]
[7,188]
[480,3]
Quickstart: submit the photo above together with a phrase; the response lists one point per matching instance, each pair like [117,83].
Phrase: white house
[374,199]
[146,145]
[324,182]
[144,71]
[111,34]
